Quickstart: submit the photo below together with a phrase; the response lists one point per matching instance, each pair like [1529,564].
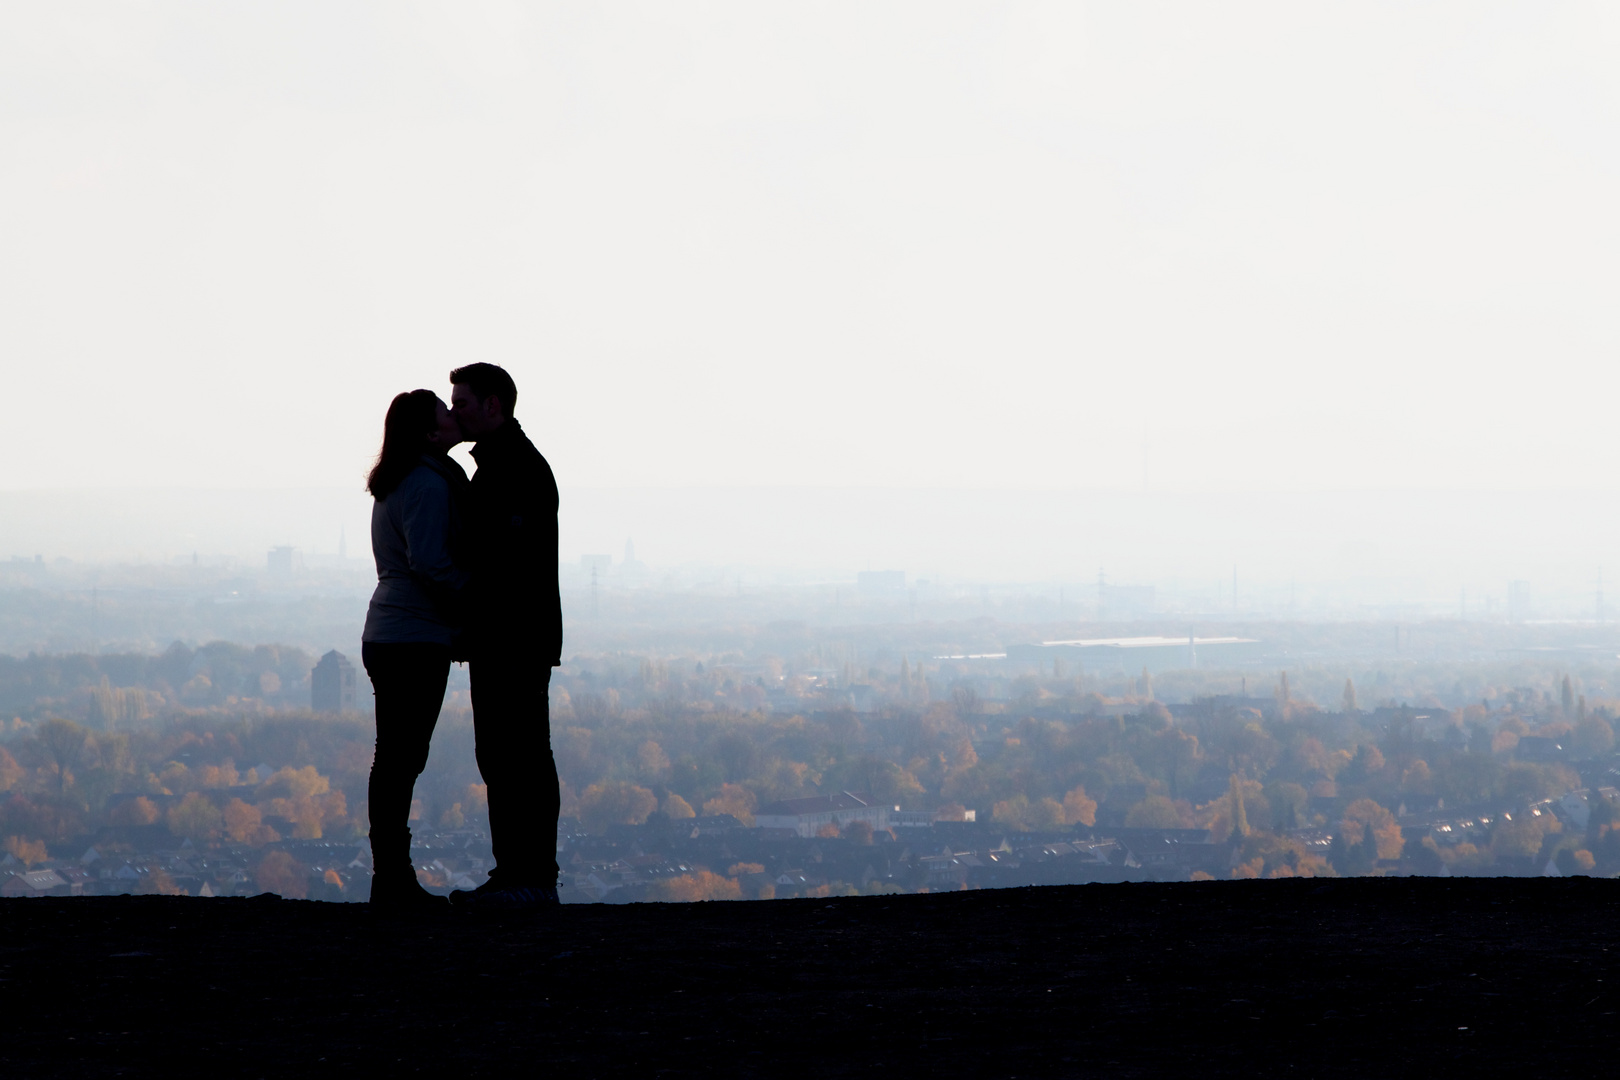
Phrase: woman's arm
[425,517]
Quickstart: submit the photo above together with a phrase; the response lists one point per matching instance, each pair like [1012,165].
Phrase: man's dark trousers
[516,638]
[512,729]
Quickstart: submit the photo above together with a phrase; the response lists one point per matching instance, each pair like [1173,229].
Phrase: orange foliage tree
[695,887]
[734,799]
[1386,832]
[280,873]
[305,798]
[10,771]
[137,811]
[1154,812]
[157,882]
[1019,812]
[615,802]
[195,817]
[28,852]
[245,824]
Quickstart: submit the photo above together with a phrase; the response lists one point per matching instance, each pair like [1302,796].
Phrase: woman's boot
[393,879]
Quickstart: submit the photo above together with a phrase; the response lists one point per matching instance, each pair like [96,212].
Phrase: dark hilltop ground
[1299,978]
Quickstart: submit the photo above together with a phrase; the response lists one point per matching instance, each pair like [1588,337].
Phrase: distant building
[806,816]
[1134,653]
[332,684]
[1119,600]
[632,567]
[913,819]
[279,560]
[38,883]
[881,581]
[1518,601]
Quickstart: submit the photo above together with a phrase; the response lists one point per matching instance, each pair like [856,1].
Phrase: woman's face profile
[446,432]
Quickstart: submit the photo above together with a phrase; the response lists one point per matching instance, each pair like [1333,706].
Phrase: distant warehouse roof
[1141,642]
[1152,652]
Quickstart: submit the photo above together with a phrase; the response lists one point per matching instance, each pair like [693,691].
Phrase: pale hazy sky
[1271,245]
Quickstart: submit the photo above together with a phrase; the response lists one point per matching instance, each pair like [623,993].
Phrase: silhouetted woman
[412,624]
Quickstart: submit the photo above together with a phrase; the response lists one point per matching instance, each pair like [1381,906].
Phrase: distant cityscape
[818,763]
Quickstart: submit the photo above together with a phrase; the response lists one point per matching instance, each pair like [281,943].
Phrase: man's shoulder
[517,454]
[519,473]
[524,446]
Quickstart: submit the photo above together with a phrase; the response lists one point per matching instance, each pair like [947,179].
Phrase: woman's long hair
[411,416]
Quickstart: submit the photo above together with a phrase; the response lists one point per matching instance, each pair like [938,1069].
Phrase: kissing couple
[466,571]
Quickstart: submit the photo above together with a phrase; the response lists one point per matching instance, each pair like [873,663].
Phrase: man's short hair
[487,380]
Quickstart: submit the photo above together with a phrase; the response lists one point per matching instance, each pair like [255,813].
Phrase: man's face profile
[475,417]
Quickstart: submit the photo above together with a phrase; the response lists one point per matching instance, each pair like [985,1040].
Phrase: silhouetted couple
[466,570]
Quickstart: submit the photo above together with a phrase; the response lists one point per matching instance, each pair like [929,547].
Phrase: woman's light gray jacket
[415,538]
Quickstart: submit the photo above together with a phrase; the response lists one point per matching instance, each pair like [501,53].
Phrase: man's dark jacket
[515,603]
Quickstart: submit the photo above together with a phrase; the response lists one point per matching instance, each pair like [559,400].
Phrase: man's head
[482,397]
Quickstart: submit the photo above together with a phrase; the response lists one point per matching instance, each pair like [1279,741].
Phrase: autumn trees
[184,775]
[1018,812]
[671,740]
[609,802]
[280,873]
[697,886]
[64,741]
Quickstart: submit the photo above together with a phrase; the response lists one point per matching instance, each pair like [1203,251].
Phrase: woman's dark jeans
[408,679]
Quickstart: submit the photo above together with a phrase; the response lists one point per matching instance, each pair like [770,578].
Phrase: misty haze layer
[1323,553]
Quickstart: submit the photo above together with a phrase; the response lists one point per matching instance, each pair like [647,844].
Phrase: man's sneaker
[496,893]
[517,898]
[466,897]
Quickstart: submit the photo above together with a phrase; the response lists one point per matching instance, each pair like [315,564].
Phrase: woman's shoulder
[446,469]
[422,480]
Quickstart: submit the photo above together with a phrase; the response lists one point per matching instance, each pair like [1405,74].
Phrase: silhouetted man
[514,638]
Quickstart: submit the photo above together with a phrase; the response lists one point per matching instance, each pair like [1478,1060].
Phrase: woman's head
[417,423]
